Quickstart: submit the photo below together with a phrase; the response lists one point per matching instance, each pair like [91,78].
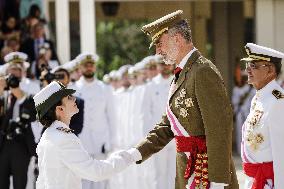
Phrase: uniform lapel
[195,55]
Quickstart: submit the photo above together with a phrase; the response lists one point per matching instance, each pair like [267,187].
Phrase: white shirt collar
[267,89]
[57,124]
[184,60]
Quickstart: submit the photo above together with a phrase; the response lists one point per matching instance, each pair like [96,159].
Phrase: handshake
[122,159]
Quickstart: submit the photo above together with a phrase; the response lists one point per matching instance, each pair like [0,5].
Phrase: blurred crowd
[28,35]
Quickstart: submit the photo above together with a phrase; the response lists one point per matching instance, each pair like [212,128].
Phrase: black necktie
[11,106]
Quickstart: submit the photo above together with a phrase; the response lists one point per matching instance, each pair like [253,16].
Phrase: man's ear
[272,69]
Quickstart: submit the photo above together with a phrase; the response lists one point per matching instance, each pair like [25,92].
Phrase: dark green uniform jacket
[210,114]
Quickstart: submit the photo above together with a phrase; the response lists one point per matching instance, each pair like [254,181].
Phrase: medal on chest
[253,138]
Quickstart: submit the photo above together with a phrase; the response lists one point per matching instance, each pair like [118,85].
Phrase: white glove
[135,154]
[124,155]
[215,185]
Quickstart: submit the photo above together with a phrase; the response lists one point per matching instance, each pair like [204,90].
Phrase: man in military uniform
[198,113]
[263,131]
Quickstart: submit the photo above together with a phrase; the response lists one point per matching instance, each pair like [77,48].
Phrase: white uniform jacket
[99,115]
[63,161]
[263,132]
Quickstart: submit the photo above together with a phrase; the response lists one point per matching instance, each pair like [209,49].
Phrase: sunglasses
[254,66]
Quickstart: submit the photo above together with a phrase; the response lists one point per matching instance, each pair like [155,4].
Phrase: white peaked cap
[49,96]
[124,69]
[257,52]
[140,65]
[17,57]
[87,57]
[69,66]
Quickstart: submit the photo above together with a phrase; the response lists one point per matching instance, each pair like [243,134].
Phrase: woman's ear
[58,109]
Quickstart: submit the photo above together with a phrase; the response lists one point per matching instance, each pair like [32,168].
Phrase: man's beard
[169,61]
[88,75]
[171,56]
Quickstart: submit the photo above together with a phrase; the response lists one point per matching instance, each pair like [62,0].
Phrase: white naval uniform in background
[119,133]
[127,134]
[156,101]
[268,113]
[139,125]
[63,161]
[99,119]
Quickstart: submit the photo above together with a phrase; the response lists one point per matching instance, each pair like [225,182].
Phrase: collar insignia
[65,130]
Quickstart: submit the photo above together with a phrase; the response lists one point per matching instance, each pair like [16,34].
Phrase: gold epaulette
[277,94]
[65,130]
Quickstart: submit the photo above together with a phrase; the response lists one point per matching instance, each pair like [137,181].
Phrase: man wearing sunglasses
[263,130]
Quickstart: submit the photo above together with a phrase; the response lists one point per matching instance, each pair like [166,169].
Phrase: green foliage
[119,43]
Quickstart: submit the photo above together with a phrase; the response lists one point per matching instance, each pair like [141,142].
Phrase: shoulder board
[277,94]
[65,130]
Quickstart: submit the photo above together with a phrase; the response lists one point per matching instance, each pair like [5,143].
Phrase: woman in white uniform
[62,160]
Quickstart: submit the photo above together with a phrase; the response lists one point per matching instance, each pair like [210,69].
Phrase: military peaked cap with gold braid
[157,28]
[277,94]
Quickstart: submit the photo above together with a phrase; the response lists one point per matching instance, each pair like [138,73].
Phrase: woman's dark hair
[34,11]
[50,116]
[63,70]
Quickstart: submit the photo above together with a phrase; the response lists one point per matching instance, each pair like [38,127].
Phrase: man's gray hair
[182,28]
